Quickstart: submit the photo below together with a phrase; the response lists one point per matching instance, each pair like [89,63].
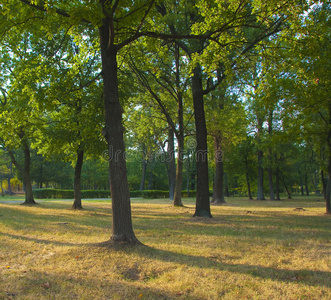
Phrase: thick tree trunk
[171,164]
[202,208]
[77,181]
[29,200]
[218,193]
[122,230]
[328,187]
[323,184]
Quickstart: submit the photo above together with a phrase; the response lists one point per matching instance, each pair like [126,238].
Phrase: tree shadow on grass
[302,276]
[35,284]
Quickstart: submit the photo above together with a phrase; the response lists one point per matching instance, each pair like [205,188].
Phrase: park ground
[248,250]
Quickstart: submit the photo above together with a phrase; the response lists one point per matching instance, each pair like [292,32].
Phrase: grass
[248,250]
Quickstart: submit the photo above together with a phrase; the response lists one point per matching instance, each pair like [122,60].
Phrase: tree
[118,25]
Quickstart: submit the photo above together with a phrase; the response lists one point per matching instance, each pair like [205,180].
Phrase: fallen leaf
[141,295]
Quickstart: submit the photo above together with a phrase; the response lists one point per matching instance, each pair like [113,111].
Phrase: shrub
[68,194]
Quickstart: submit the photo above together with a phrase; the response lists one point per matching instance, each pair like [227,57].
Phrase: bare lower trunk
[271,184]
[306,184]
[260,193]
[277,184]
[218,193]
[286,188]
[323,184]
[328,188]
[29,200]
[122,230]
[202,208]
[171,164]
[179,171]
[77,181]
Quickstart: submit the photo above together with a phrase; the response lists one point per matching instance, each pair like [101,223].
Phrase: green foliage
[69,194]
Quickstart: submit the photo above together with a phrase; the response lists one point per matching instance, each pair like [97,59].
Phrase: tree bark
[260,193]
[171,164]
[10,192]
[179,134]
[77,180]
[202,208]
[323,184]
[286,188]
[218,193]
[247,180]
[328,187]
[29,200]
[277,184]
[179,170]
[122,230]
[306,184]
[271,184]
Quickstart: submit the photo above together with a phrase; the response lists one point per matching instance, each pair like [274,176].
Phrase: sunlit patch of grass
[248,250]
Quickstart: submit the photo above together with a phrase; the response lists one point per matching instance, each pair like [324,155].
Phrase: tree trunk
[77,180]
[29,200]
[9,178]
[247,179]
[171,164]
[271,184]
[328,187]
[323,184]
[188,170]
[122,230]
[286,188]
[202,208]
[179,134]
[179,171]
[306,184]
[218,193]
[260,193]
[277,184]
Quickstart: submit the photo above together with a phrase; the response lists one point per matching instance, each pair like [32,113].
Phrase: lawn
[248,250]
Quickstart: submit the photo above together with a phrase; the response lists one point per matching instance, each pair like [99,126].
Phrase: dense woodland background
[264,71]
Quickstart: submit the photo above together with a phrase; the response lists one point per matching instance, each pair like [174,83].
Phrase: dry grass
[249,250]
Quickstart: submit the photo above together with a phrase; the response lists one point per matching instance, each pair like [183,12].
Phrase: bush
[87,194]
[68,194]
[192,194]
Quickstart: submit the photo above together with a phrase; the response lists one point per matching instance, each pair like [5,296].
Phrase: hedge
[69,194]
